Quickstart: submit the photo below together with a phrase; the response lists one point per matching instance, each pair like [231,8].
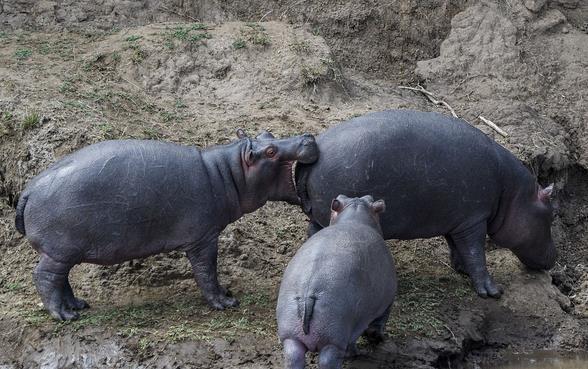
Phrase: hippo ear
[544,194]
[241,133]
[336,205]
[265,135]
[378,206]
[368,198]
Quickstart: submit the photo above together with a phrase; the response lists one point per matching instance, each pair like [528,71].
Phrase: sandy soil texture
[77,72]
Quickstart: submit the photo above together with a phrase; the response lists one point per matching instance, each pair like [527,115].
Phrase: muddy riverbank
[74,73]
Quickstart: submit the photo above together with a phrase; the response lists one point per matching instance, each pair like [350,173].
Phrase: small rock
[534,5]
[282,249]
[565,29]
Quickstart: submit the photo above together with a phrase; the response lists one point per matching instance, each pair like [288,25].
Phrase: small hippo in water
[120,200]
[339,285]
[442,177]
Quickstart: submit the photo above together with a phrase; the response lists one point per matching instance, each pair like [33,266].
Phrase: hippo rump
[119,200]
[440,176]
[340,284]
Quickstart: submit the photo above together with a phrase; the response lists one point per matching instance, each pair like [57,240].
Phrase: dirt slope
[77,72]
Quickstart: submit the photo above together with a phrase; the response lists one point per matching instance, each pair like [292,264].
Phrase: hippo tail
[307,313]
[20,208]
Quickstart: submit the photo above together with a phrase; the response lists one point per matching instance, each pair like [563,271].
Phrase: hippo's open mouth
[288,171]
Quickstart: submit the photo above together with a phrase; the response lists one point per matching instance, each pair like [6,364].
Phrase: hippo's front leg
[203,258]
[469,246]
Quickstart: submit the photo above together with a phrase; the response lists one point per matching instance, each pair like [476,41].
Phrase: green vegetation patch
[31,120]
[133,38]
[22,54]
[255,34]
[192,33]
[239,43]
[169,321]
[422,302]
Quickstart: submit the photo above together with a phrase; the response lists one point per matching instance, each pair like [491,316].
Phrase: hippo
[125,199]
[443,178]
[340,284]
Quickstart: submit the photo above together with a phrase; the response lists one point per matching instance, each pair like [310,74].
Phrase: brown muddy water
[544,360]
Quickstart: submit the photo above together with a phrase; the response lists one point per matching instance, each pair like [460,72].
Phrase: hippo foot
[62,313]
[77,304]
[222,301]
[486,287]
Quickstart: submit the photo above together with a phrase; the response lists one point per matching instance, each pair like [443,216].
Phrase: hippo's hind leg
[294,352]
[375,332]
[51,280]
[469,246]
[203,258]
[456,262]
[331,357]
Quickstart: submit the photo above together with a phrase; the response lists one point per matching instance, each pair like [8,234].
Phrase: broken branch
[431,97]
[493,126]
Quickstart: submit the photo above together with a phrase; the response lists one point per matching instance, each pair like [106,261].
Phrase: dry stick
[450,331]
[178,13]
[431,97]
[493,126]
[265,15]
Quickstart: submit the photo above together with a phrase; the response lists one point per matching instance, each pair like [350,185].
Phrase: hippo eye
[270,152]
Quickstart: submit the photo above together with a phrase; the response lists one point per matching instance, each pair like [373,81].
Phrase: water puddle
[544,360]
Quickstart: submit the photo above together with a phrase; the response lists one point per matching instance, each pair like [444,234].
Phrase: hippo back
[350,271]
[434,172]
[118,200]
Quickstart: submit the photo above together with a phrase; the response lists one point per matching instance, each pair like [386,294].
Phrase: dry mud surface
[76,72]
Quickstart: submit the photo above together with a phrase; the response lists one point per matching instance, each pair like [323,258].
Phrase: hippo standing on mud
[340,284]
[440,176]
[119,200]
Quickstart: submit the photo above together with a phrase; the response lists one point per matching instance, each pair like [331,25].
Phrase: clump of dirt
[71,76]
[381,38]
[521,70]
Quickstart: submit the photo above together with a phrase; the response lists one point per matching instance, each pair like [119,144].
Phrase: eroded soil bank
[77,72]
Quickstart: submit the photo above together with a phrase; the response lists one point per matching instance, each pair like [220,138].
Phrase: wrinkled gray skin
[340,284]
[120,200]
[441,177]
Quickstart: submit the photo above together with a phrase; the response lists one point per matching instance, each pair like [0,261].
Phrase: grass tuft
[133,38]
[31,121]
[255,34]
[239,44]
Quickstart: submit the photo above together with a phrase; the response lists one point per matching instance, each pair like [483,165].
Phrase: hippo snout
[308,151]
[545,262]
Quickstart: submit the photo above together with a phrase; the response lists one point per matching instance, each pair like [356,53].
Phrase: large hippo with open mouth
[440,177]
[119,200]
